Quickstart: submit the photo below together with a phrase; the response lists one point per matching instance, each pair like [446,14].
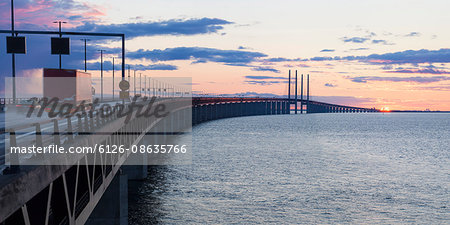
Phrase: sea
[366,168]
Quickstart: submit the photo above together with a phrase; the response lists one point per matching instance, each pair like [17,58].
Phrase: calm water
[323,168]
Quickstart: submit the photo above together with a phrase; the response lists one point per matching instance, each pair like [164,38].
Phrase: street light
[85,58]
[154,88]
[13,56]
[134,80]
[60,36]
[128,73]
[101,73]
[113,80]
[145,85]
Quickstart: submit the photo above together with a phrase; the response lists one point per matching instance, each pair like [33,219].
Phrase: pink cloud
[42,13]
[421,71]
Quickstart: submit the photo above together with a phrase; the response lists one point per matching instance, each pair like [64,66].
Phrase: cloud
[365,79]
[321,58]
[167,27]
[41,13]
[265,78]
[330,85]
[266,68]
[359,49]
[413,34]
[199,61]
[327,50]
[422,71]
[85,17]
[264,83]
[403,57]
[358,40]
[379,41]
[107,65]
[281,59]
[435,88]
[411,56]
[228,57]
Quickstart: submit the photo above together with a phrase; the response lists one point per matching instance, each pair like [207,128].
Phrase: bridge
[92,188]
[205,109]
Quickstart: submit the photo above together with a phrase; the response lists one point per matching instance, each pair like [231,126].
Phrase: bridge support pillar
[267,108]
[135,172]
[112,209]
[203,113]
[227,110]
[278,107]
[194,115]
[274,108]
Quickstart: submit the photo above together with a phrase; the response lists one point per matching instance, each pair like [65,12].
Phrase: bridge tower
[301,95]
[296,97]
[289,91]
[307,93]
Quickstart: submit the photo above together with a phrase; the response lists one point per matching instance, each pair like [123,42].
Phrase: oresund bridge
[96,192]
[39,188]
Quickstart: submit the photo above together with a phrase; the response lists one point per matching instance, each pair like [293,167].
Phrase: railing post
[56,138]
[69,129]
[38,135]
[86,123]
[91,121]
[97,117]
[13,158]
[80,125]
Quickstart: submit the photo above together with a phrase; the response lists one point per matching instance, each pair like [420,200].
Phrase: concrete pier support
[274,108]
[278,108]
[137,172]
[236,109]
[112,209]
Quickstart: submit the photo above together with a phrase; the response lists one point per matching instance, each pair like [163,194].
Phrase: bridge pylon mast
[289,91]
[307,93]
[301,95]
[296,97]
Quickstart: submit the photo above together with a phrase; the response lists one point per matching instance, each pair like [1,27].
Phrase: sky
[362,53]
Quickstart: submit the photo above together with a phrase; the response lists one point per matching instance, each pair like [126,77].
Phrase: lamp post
[101,74]
[128,73]
[301,96]
[60,36]
[289,91]
[154,88]
[296,92]
[134,80]
[307,93]
[113,80]
[145,85]
[85,56]
[13,56]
